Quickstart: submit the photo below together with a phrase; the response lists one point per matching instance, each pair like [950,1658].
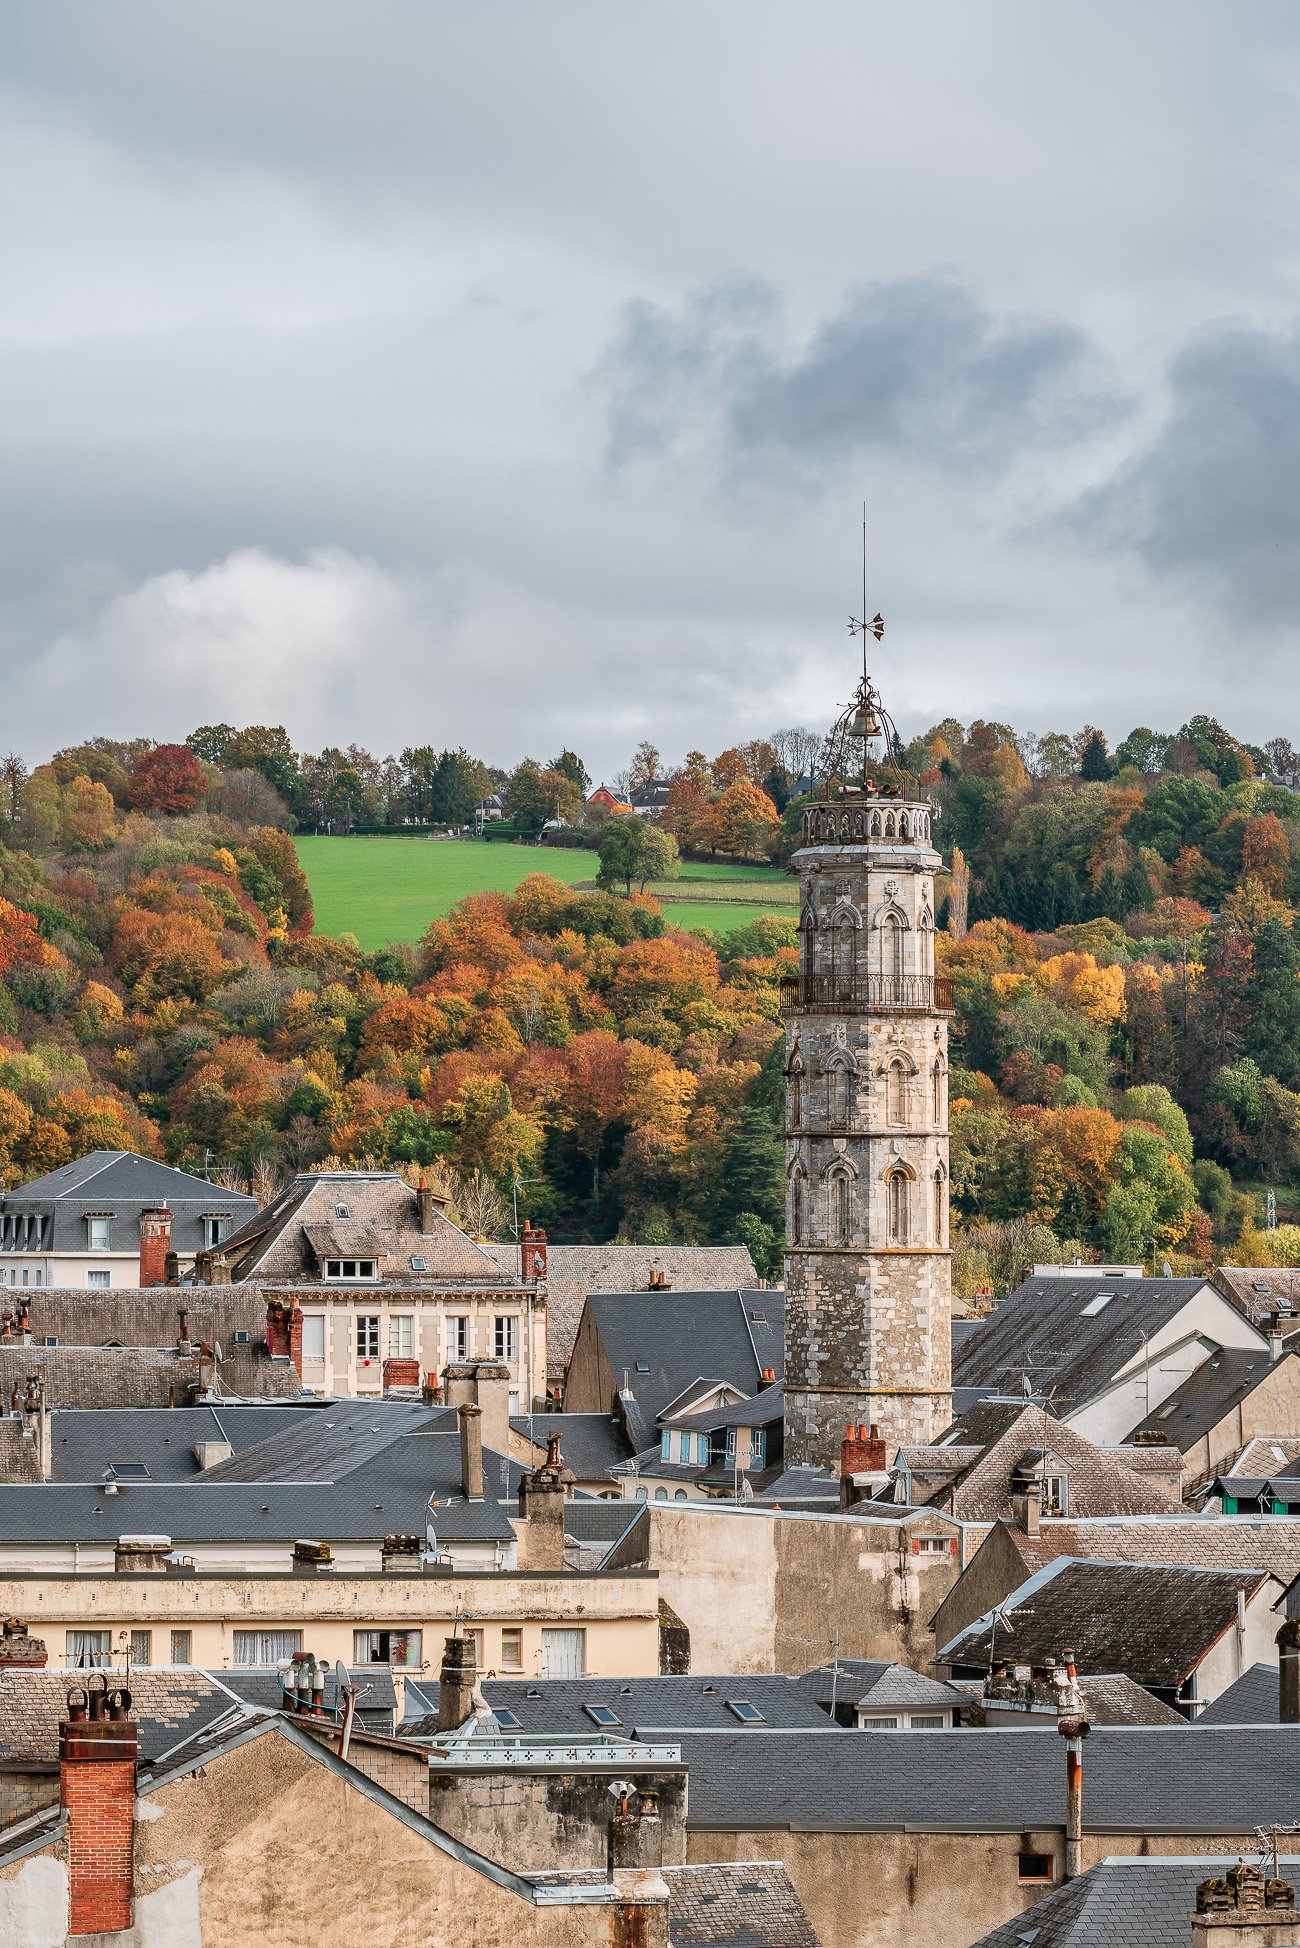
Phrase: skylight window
[1096,1305]
[507,1719]
[419,1264]
[130,1470]
[643,1366]
[747,1713]
[602,1715]
[1169,1408]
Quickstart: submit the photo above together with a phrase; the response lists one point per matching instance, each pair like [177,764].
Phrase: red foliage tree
[167,779]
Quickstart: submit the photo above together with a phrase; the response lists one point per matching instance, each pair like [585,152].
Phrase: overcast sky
[513,375]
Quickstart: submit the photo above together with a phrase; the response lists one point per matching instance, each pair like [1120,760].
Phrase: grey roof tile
[590,1444]
[679,1336]
[1218,1384]
[1119,1903]
[646,1705]
[1252,1700]
[730,1905]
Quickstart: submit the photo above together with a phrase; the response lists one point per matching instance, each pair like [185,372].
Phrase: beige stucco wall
[341,1371]
[926,1890]
[619,1614]
[766,1592]
[266,1845]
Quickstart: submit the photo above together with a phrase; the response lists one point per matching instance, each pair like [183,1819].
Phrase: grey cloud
[1212,499]
[916,367]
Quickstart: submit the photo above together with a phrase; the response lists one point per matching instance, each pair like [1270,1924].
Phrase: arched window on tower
[838,1225]
[940,1219]
[936,1092]
[843,956]
[798,1205]
[794,1097]
[896,1092]
[897,1200]
[841,1095]
[891,948]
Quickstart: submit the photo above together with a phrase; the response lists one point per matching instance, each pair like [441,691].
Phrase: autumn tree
[167,779]
[633,852]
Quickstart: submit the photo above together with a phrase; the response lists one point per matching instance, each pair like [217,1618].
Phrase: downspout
[1072,1724]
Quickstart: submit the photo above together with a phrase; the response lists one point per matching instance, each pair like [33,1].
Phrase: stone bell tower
[867,1268]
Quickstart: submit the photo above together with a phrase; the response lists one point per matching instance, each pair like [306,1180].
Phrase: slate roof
[340,1483]
[751,1904]
[590,1444]
[1269,1542]
[171,1707]
[1261,1291]
[1191,1780]
[646,1705]
[118,1184]
[1123,1902]
[802,1486]
[1154,1622]
[381,1221]
[871,1681]
[137,1377]
[1000,1432]
[1111,1698]
[677,1336]
[149,1316]
[760,1410]
[575,1272]
[1218,1384]
[1042,1328]
[1265,1453]
[86,1442]
[1252,1700]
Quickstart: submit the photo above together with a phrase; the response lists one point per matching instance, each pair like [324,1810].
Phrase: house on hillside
[649,800]
[370,1287]
[112,1218]
[604,800]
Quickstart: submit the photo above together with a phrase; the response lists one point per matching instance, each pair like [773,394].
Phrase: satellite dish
[343,1678]
[217,1353]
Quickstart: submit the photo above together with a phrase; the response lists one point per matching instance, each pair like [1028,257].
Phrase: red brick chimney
[155,1243]
[284,1330]
[532,1252]
[98,1747]
[862,1452]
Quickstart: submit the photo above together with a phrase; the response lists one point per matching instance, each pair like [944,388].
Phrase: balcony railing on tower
[854,993]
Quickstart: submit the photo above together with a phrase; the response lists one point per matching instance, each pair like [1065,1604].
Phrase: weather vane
[865,717]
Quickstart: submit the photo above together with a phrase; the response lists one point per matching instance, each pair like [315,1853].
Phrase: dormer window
[97,1234]
[350,1268]
[216,1229]
[342,1211]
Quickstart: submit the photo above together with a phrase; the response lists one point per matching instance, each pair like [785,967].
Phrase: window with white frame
[504,1333]
[367,1336]
[731,1444]
[457,1336]
[97,1234]
[94,1277]
[215,1231]
[141,1649]
[401,1336]
[254,1648]
[512,1648]
[90,1650]
[564,1653]
[757,1446]
[350,1268]
[182,1647]
[313,1338]
[1056,1494]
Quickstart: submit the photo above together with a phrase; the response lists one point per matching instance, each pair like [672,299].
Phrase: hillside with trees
[1119,928]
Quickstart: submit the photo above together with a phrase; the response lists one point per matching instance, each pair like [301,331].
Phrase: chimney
[284,1330]
[431,1204]
[1026,1493]
[636,1836]
[311,1557]
[471,1452]
[542,1495]
[98,1746]
[400,1552]
[19,1650]
[1288,1647]
[456,1683]
[862,1451]
[1244,1908]
[1072,1724]
[767,1378]
[532,1253]
[485,1385]
[155,1243]
[36,1424]
[1273,1333]
[141,1555]
[171,1269]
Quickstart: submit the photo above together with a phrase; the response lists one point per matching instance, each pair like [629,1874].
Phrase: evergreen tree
[1095,766]
[1272,1028]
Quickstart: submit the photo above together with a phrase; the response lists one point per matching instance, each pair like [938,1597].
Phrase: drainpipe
[1241,1629]
[1072,1724]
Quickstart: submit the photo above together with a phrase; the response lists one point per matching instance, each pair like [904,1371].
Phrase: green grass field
[390,889]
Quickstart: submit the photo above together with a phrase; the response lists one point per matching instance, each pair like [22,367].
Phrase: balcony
[859,994]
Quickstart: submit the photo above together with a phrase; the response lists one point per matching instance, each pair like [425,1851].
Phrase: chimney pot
[471,1451]
[155,1243]
[456,1683]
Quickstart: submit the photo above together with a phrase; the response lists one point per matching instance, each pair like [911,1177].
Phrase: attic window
[1096,1305]
[419,1264]
[343,1210]
[758,1318]
[349,1268]
[130,1470]
[643,1366]
[602,1715]
[506,1719]
[1169,1408]
[1035,1867]
[747,1713]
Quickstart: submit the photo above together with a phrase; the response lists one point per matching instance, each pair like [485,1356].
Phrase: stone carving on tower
[867,1264]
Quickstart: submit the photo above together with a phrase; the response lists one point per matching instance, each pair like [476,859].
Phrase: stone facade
[867,1269]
